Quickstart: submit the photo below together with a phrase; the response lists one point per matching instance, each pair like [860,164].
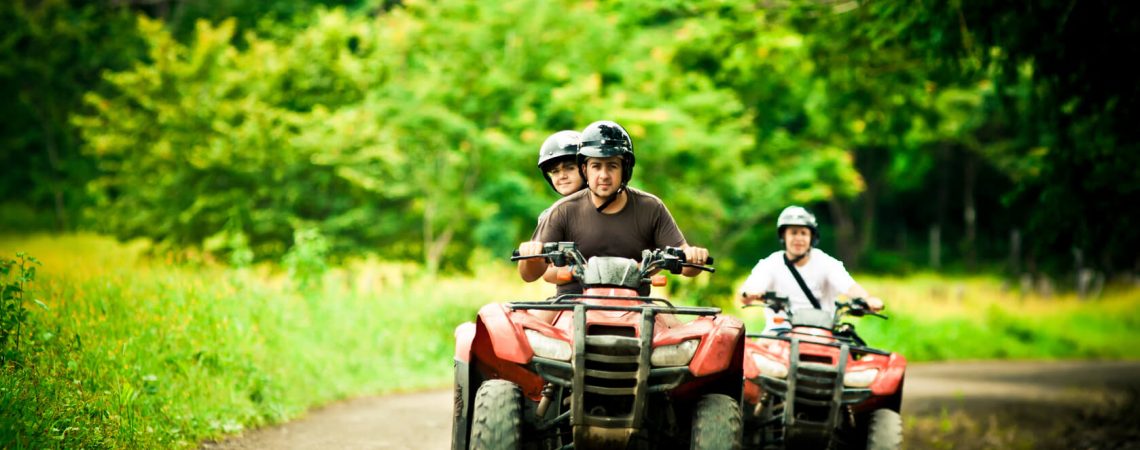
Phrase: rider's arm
[551,275]
[757,283]
[531,269]
[857,291]
[838,276]
[548,230]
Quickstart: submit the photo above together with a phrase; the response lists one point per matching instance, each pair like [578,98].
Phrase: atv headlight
[860,378]
[548,347]
[675,355]
[769,367]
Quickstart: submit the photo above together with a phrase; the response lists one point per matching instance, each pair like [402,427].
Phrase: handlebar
[770,299]
[858,307]
[671,259]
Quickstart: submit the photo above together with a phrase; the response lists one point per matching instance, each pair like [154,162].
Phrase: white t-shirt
[824,275]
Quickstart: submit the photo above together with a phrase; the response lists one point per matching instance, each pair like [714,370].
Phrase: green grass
[935,318]
[136,352]
[140,353]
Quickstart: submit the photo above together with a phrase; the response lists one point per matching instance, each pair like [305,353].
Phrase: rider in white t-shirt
[824,276]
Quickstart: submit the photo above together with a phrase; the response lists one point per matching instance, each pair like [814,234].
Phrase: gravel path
[1030,391]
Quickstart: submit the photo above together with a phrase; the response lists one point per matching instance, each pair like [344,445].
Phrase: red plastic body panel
[718,350]
[498,346]
[500,349]
[892,368]
[464,336]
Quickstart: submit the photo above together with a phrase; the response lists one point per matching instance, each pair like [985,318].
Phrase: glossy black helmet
[558,147]
[603,139]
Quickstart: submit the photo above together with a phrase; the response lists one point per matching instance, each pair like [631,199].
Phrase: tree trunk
[969,211]
[867,227]
[845,234]
[943,159]
[935,247]
[435,247]
[1015,252]
[57,175]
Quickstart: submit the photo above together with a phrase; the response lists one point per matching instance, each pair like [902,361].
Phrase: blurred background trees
[962,136]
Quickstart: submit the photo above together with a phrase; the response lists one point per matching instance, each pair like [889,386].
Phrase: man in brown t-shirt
[608,218]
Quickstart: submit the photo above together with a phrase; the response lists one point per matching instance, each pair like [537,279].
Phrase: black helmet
[603,139]
[557,147]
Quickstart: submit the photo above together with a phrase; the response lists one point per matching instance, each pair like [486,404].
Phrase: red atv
[612,369]
[818,385]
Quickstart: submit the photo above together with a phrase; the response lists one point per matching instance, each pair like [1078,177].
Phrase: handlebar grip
[515,253]
[709,261]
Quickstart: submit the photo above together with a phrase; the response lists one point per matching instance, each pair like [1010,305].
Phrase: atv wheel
[716,423]
[498,416]
[884,431]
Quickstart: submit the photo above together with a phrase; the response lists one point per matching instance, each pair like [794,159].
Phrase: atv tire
[884,431]
[716,423]
[497,419]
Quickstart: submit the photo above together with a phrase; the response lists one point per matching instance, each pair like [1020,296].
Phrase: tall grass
[141,353]
[136,352]
[937,318]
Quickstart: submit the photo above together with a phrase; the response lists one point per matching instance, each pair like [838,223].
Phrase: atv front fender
[889,382]
[500,350]
[719,348]
[505,336]
[464,336]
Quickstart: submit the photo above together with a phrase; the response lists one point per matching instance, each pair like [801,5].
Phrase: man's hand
[750,297]
[530,248]
[531,269]
[696,255]
[874,303]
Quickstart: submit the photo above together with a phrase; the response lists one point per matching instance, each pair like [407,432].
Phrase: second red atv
[818,385]
[612,369]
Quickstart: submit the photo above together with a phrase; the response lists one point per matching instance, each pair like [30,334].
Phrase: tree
[1066,97]
[53,52]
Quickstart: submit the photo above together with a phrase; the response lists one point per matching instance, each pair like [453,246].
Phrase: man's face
[604,175]
[565,177]
[797,240]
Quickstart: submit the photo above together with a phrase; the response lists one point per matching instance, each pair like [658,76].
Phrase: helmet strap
[610,199]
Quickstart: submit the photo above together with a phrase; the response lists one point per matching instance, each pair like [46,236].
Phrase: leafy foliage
[408,129]
[15,277]
[52,53]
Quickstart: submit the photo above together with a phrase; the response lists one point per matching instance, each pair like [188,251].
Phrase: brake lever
[860,309]
[698,266]
[515,256]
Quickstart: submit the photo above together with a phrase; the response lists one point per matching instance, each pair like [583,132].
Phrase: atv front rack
[610,377]
[814,386]
[562,301]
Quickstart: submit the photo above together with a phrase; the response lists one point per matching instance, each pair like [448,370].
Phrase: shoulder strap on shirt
[800,280]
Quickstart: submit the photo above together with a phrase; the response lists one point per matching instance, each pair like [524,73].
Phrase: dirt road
[947,405]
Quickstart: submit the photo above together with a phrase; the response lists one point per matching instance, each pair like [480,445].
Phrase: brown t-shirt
[643,224]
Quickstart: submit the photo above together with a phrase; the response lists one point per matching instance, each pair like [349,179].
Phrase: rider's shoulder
[822,257]
[640,194]
[776,257]
[642,199]
[568,201]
